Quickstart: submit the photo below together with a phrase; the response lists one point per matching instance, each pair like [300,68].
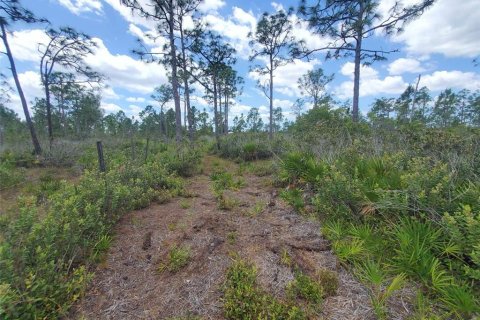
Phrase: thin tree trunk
[215,111]
[49,110]
[270,133]
[415,98]
[173,56]
[28,119]
[356,80]
[226,113]
[356,74]
[187,88]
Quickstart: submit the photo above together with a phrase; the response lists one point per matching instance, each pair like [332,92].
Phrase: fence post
[101,160]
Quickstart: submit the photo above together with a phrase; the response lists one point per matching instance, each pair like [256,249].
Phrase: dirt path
[128,285]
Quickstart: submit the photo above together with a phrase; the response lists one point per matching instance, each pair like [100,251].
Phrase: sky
[440,45]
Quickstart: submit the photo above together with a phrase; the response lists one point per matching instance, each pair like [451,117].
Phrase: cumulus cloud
[110,107]
[235,28]
[136,99]
[405,65]
[32,89]
[24,44]
[285,77]
[127,14]
[126,72]
[82,6]
[370,82]
[211,5]
[440,80]
[449,27]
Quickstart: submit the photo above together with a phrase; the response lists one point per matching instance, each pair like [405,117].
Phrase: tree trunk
[356,80]
[356,74]
[270,132]
[226,114]
[49,110]
[187,89]
[415,98]
[173,56]
[28,119]
[215,111]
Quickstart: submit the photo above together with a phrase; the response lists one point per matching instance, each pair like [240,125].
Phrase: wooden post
[101,160]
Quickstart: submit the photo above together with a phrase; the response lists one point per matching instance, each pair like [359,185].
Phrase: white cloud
[370,82]
[245,18]
[24,44]
[32,89]
[285,77]
[449,27]
[126,72]
[211,5]
[366,72]
[440,80]
[130,16]
[110,107]
[136,99]
[405,65]
[82,6]
[121,70]
[235,28]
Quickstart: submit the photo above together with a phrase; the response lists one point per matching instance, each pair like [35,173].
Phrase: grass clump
[305,288]
[177,258]
[328,280]
[10,176]
[185,204]
[232,237]
[380,287]
[257,208]
[223,180]
[225,202]
[294,197]
[244,300]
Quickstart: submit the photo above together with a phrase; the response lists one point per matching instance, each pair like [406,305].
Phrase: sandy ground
[128,285]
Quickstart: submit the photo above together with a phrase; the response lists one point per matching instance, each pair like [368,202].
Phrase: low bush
[10,176]
[178,257]
[244,300]
[44,258]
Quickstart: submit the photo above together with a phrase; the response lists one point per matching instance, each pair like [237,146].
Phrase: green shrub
[178,257]
[328,280]
[244,300]
[305,288]
[10,176]
[294,197]
[44,260]
[463,228]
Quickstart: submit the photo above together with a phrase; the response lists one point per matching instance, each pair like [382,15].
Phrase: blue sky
[440,46]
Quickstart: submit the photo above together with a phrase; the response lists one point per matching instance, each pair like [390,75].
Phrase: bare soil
[128,284]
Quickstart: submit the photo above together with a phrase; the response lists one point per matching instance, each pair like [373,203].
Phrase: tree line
[197,55]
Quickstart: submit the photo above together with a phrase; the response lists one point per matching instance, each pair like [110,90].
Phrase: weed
[294,197]
[244,300]
[225,202]
[185,204]
[178,257]
[328,280]
[380,291]
[225,180]
[257,208]
[285,258]
[101,248]
[305,288]
[349,250]
[232,237]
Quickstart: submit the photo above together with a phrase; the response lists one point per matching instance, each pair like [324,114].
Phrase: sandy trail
[128,285]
